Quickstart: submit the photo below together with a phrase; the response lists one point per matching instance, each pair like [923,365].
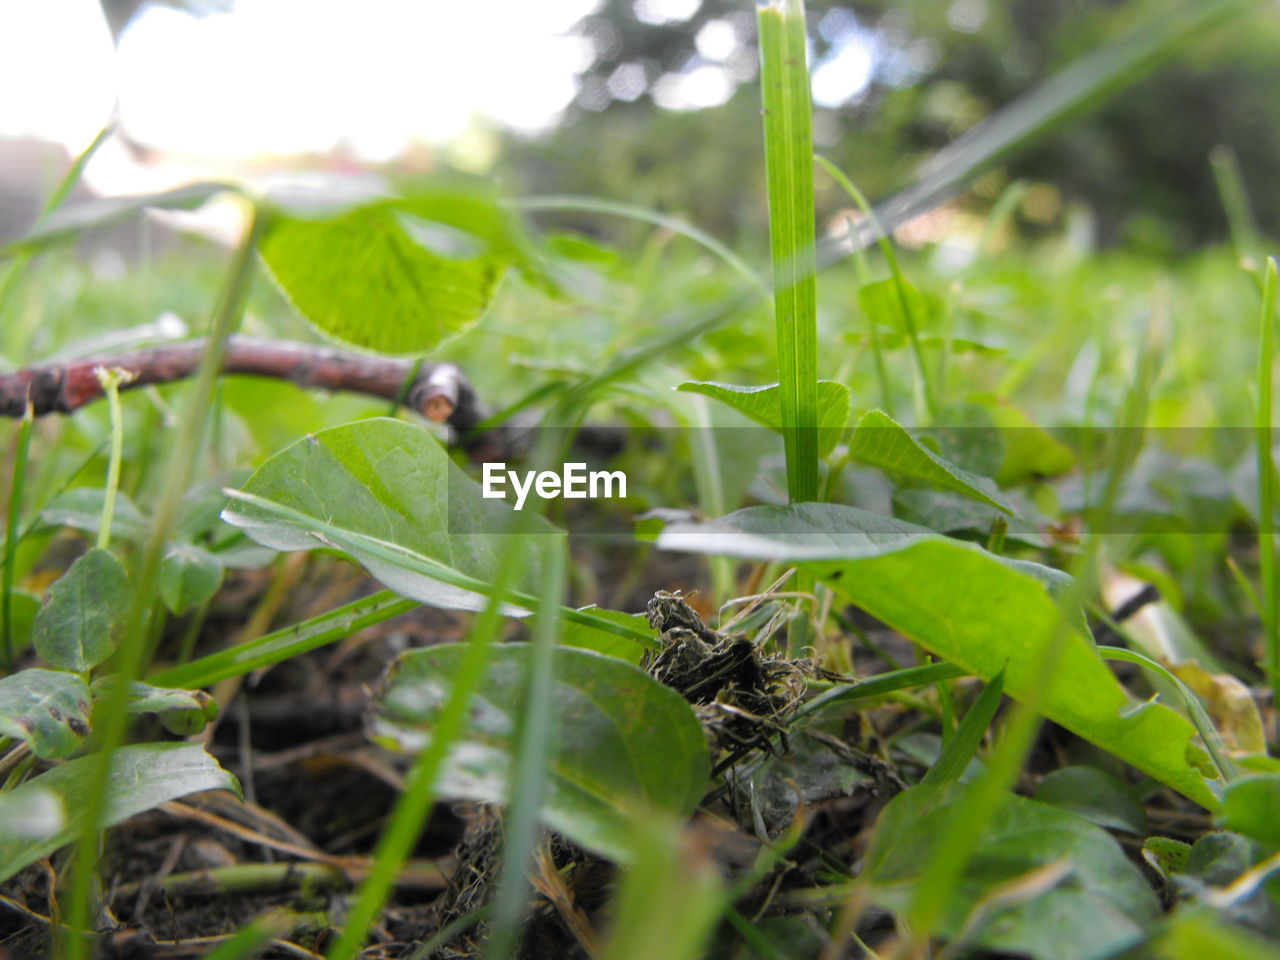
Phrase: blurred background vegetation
[893,82]
[666,113]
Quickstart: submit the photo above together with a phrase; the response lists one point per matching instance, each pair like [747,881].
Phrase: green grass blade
[284,644]
[415,803]
[645,215]
[21,452]
[962,747]
[900,286]
[180,464]
[1195,710]
[1266,476]
[533,758]
[788,140]
[1067,94]
[1235,203]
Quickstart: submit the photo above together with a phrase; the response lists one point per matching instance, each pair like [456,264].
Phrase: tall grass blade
[22,449]
[415,803]
[1065,95]
[788,141]
[187,440]
[961,748]
[899,283]
[1266,476]
[533,757]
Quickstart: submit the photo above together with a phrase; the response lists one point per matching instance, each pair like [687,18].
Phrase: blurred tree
[667,113]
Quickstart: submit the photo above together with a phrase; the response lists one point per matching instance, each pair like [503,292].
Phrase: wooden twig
[439,391]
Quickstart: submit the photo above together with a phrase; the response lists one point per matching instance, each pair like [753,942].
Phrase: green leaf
[391,481]
[395,276]
[1250,806]
[1029,449]
[189,577]
[981,613]
[68,222]
[818,531]
[587,637]
[30,815]
[184,712]
[1166,855]
[1196,934]
[764,405]
[83,616]
[47,709]
[81,509]
[881,441]
[1099,906]
[1095,795]
[142,776]
[626,745]
[881,303]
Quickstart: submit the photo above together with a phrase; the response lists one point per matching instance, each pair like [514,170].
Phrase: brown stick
[439,391]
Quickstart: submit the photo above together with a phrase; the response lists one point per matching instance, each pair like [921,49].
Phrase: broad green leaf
[81,509]
[982,613]
[1095,795]
[30,815]
[391,481]
[395,276]
[1196,934]
[627,746]
[882,442]
[189,577]
[587,637]
[48,709]
[1029,449]
[142,776]
[1101,904]
[68,222]
[1252,806]
[764,405]
[83,616]
[817,531]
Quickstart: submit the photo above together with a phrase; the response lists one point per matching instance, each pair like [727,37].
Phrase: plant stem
[788,138]
[11,533]
[1266,477]
[111,378]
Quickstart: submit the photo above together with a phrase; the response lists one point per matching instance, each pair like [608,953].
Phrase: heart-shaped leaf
[394,488]
[84,614]
[626,745]
[48,709]
[395,275]
[189,577]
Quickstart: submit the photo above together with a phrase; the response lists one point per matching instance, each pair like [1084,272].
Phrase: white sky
[282,76]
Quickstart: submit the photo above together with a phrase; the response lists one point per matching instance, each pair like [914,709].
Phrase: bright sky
[281,76]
